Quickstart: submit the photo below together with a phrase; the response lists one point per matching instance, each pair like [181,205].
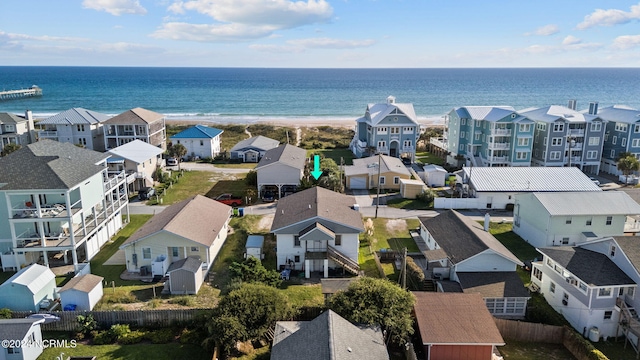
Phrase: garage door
[358,182]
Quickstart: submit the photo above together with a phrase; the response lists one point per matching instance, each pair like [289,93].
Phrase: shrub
[182,300]
[5,313]
[161,336]
[104,338]
[132,337]
[119,330]
[155,303]
[87,324]
[426,196]
[191,337]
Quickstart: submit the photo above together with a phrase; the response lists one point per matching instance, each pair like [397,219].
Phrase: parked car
[48,318]
[268,197]
[229,199]
[172,161]
[146,193]
[406,161]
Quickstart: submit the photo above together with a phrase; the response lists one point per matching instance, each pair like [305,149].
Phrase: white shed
[83,291]
[185,276]
[435,175]
[27,288]
[254,247]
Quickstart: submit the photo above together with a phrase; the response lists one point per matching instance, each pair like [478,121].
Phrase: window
[556,141]
[296,258]
[338,240]
[82,141]
[545,141]
[525,127]
[537,273]
[382,143]
[568,221]
[614,140]
[381,130]
[565,241]
[635,142]
[589,221]
[544,154]
[406,143]
[201,142]
[521,155]
[554,155]
[396,180]
[478,124]
[15,350]
[613,154]
[523,142]
[592,154]
[623,142]
[463,121]
[607,314]
[596,126]
[583,286]
[462,134]
[621,127]
[395,130]
[477,137]
[557,268]
[461,147]
[146,253]
[80,127]
[565,299]
[593,141]
[174,252]
[408,129]
[195,249]
[558,127]
[552,287]
[604,292]
[631,291]
[609,220]
[382,180]
[296,240]
[612,251]
[542,126]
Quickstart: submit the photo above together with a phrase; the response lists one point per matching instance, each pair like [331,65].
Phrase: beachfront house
[200,141]
[280,170]
[317,231]
[253,148]
[24,331]
[570,218]
[57,199]
[622,134]
[389,128]
[139,160]
[16,129]
[76,126]
[489,136]
[566,137]
[135,124]
[363,174]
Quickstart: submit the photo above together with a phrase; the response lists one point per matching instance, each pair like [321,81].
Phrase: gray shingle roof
[593,203]
[529,179]
[49,164]
[488,113]
[593,268]
[190,264]
[8,118]
[369,165]
[75,116]
[285,154]
[16,329]
[135,116]
[259,142]
[493,284]
[630,245]
[329,337]
[461,237]
[84,283]
[314,203]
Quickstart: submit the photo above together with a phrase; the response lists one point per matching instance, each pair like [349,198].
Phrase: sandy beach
[292,122]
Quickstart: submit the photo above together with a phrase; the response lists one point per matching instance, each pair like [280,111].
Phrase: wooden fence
[530,332]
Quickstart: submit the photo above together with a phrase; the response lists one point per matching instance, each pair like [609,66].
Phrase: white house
[81,292]
[435,175]
[201,141]
[196,227]
[24,331]
[254,247]
[56,200]
[280,170]
[570,218]
[138,123]
[16,129]
[27,288]
[76,126]
[463,252]
[316,230]
[253,148]
[139,160]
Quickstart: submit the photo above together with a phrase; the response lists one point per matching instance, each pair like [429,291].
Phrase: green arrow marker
[316,167]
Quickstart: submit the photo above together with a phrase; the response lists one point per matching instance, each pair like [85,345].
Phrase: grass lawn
[131,352]
[520,248]
[237,187]
[233,248]
[615,350]
[533,351]
[191,183]
[409,204]
[236,166]
[334,154]
[304,295]
[428,158]
[263,353]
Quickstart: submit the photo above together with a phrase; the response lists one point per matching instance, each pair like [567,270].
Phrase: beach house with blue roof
[489,136]
[389,129]
[622,134]
[201,141]
[76,126]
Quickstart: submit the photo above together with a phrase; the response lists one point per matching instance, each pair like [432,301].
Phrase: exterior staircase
[341,259]
[429,285]
[629,321]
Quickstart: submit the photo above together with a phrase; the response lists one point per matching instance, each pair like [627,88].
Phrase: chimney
[572,104]
[28,115]
[593,108]
[487,219]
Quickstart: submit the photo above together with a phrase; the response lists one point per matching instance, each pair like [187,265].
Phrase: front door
[393,149]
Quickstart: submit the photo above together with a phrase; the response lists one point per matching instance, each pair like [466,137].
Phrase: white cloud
[277,49]
[328,43]
[626,42]
[545,30]
[115,7]
[128,47]
[571,40]
[4,36]
[211,33]
[609,17]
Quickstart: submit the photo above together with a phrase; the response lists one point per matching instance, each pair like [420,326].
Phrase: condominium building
[622,134]
[76,126]
[135,124]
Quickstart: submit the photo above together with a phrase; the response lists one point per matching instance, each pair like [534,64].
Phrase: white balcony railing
[382,149]
[47,134]
[439,142]
[499,159]
[576,132]
[501,132]
[499,145]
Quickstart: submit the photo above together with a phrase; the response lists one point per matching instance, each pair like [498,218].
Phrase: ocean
[251,94]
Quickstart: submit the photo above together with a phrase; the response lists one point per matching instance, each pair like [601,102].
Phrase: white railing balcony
[576,132]
[575,159]
[499,145]
[501,132]
[439,142]
[361,144]
[382,149]
[47,134]
[114,179]
[499,159]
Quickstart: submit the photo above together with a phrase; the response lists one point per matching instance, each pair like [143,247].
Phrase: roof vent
[391,100]
[349,349]
[309,206]
[282,211]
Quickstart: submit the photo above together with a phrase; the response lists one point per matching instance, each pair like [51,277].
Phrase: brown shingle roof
[493,284]
[198,219]
[453,318]
[84,283]
[135,116]
[285,154]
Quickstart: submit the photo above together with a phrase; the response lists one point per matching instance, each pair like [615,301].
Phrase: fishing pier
[22,93]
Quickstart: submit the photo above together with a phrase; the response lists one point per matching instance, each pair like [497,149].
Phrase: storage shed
[435,175]
[410,189]
[25,290]
[254,247]
[185,276]
[82,292]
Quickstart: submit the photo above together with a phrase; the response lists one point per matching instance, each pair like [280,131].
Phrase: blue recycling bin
[240,211]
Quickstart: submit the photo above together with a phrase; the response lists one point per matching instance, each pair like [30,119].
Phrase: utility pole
[378,187]
[569,141]
[404,269]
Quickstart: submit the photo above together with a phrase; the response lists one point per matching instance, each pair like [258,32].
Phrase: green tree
[377,301]
[5,313]
[9,148]
[252,270]
[330,178]
[252,178]
[628,165]
[177,151]
[415,275]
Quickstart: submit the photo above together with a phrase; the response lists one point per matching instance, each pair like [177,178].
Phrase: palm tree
[628,165]
[177,151]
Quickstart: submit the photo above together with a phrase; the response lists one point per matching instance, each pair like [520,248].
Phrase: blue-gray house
[622,134]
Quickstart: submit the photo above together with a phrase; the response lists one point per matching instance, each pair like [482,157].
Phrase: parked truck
[230,200]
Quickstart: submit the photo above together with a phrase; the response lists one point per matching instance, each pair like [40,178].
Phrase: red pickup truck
[230,200]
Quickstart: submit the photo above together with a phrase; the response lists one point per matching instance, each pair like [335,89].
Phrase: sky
[321,33]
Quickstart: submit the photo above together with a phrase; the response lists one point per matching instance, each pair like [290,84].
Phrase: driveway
[363,199]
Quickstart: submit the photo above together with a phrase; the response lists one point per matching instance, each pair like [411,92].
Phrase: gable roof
[316,202]
[529,179]
[9,118]
[493,284]
[16,329]
[84,283]
[75,116]
[554,113]
[197,218]
[257,142]
[135,116]
[190,264]
[592,267]
[34,277]
[433,168]
[488,113]
[593,203]
[369,165]
[620,113]
[255,241]
[462,238]
[137,151]
[285,154]
[49,164]
[454,318]
[330,337]
[629,245]
[198,132]
[377,112]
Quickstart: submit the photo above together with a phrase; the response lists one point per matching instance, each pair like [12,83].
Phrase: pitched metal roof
[554,113]
[49,164]
[255,241]
[8,118]
[377,112]
[316,203]
[593,203]
[493,284]
[433,168]
[461,237]
[198,132]
[620,113]
[137,151]
[135,116]
[198,219]
[16,329]
[84,283]
[328,337]
[593,268]
[285,154]
[454,318]
[529,179]
[75,116]
[488,113]
[369,165]
[35,277]
[256,142]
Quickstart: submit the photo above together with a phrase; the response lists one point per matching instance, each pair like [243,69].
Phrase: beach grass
[283,134]
[326,137]
[336,154]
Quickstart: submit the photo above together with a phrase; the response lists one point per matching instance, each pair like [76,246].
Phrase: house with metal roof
[196,227]
[254,247]
[253,148]
[363,174]
[200,141]
[139,160]
[56,200]
[81,293]
[389,128]
[22,331]
[138,123]
[27,288]
[488,136]
[76,126]
[280,170]
[622,134]
[317,230]
[16,129]
[463,252]
[571,218]
[327,337]
[566,137]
